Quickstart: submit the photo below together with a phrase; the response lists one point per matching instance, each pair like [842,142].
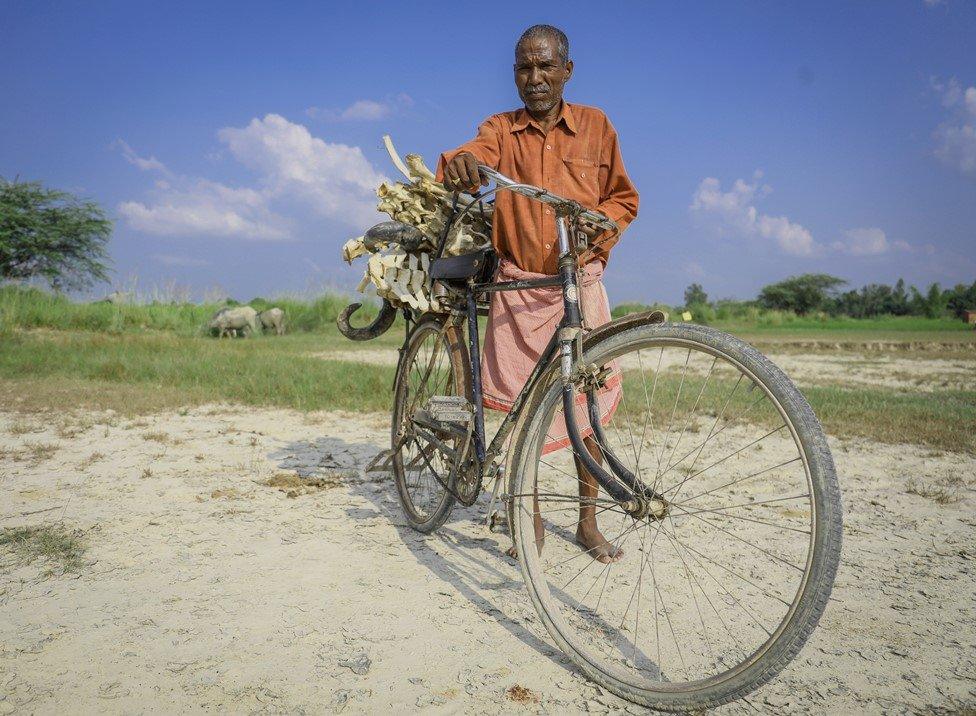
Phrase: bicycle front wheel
[698,606]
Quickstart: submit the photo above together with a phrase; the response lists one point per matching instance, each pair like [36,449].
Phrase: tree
[962,298]
[695,294]
[50,234]
[801,294]
[935,301]
[899,299]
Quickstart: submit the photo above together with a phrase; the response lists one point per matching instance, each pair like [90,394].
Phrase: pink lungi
[520,325]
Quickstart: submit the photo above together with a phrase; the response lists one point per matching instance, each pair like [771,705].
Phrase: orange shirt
[579,159]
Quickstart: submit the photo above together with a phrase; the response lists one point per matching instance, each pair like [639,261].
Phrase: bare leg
[587,533]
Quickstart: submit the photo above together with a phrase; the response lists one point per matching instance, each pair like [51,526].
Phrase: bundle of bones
[400,251]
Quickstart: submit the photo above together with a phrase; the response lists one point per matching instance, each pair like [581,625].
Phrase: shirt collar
[523,119]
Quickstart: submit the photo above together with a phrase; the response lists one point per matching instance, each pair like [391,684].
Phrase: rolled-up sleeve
[486,147]
[618,195]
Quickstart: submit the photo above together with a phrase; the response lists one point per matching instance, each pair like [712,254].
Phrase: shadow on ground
[463,553]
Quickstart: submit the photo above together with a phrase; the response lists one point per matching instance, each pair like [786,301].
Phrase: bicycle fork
[622,485]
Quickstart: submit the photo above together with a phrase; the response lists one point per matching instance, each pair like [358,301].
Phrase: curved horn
[377,328]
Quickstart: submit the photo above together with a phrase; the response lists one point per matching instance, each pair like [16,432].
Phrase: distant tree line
[817,292]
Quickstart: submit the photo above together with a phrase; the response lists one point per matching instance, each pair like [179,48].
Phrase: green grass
[764,327]
[142,372]
[941,419]
[141,358]
[31,308]
[777,320]
[60,547]
[937,419]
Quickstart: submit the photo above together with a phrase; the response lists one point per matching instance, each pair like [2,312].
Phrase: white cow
[273,318]
[228,321]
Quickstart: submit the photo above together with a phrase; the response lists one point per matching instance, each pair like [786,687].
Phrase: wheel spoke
[742,500]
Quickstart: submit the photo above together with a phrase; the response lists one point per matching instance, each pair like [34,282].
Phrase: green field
[59,355]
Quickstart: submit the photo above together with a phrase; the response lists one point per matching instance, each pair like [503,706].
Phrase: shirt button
[547,211]
[548,147]
[547,246]
[582,174]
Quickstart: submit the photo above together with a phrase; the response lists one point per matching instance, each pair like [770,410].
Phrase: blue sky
[236,144]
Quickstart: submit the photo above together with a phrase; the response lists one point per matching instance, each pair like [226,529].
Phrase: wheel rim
[708,611]
[415,461]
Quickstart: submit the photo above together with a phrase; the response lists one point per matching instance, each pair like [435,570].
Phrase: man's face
[540,74]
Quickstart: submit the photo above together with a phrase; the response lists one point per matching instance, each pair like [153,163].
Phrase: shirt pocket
[582,180]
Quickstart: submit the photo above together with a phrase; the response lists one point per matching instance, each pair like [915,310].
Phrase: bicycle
[724,497]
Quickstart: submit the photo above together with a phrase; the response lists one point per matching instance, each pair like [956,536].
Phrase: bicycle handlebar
[547,197]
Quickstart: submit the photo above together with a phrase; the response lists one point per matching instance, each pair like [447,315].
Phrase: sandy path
[207,590]
[875,370]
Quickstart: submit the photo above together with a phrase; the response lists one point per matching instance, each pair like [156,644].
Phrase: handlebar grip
[601,220]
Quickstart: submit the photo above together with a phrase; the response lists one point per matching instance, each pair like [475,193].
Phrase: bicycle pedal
[498,521]
[448,409]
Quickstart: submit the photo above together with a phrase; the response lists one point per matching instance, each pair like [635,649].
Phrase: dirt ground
[241,560]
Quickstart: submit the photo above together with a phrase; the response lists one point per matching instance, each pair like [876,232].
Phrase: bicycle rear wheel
[434,364]
[714,598]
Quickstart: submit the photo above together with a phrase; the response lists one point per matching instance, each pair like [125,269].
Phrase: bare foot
[593,542]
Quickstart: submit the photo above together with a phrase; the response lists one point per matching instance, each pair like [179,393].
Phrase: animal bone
[403,277]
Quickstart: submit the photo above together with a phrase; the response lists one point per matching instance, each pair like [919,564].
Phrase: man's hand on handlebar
[461,174]
[590,230]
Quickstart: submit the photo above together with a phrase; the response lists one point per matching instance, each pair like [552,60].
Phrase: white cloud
[956,137]
[336,180]
[363,110]
[200,207]
[146,165]
[296,170]
[863,242]
[869,242]
[179,260]
[735,210]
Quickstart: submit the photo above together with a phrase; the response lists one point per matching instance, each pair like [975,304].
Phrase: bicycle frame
[620,483]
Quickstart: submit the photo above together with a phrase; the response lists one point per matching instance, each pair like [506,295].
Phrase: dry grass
[943,493]
[33,453]
[70,426]
[293,485]
[227,493]
[60,547]
[91,460]
[24,427]
[521,695]
[156,436]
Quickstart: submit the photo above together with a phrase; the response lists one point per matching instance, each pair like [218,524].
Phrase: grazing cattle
[228,321]
[273,318]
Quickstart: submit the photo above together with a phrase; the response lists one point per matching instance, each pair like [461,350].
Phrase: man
[572,150]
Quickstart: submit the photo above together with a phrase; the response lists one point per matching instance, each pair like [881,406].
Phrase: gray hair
[548,31]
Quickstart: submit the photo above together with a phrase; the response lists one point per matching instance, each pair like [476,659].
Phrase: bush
[800,294]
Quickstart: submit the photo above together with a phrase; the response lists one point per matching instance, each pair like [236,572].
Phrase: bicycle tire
[825,540]
[460,370]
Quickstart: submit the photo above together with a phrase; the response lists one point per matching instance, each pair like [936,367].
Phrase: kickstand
[380,463]
[492,518]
